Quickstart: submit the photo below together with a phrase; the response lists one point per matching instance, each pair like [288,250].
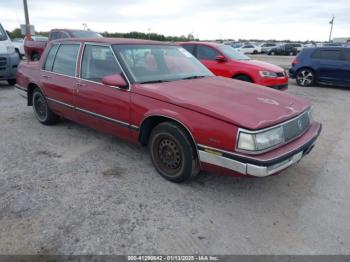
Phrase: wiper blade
[154,81]
[192,77]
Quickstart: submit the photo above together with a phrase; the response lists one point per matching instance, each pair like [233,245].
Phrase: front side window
[206,52]
[50,58]
[232,53]
[85,34]
[66,58]
[54,35]
[157,63]
[98,62]
[327,54]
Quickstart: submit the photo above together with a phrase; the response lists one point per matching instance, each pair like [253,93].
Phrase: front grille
[296,127]
[3,62]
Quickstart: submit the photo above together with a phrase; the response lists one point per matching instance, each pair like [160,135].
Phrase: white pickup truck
[9,59]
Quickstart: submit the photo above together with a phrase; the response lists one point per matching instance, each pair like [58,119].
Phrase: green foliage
[151,36]
[16,33]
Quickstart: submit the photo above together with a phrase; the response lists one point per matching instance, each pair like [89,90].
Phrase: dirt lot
[68,189]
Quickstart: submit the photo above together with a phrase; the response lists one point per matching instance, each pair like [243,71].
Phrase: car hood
[262,65]
[243,104]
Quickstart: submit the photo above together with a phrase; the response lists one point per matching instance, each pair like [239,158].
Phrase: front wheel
[172,153]
[41,109]
[305,77]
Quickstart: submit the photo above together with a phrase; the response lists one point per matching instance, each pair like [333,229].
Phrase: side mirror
[220,58]
[114,80]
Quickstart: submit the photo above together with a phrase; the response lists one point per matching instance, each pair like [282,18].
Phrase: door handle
[46,76]
[80,84]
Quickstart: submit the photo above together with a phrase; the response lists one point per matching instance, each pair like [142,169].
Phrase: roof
[203,43]
[115,41]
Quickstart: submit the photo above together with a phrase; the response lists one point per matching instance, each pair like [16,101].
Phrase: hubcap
[40,106]
[305,77]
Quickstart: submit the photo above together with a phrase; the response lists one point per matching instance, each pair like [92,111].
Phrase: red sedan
[223,60]
[160,95]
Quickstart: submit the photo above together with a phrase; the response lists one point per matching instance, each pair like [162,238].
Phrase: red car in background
[223,60]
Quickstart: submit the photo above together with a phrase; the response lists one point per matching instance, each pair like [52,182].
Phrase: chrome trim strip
[116,121]
[267,129]
[249,169]
[61,103]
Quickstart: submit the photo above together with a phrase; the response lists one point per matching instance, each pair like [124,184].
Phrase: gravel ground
[67,189]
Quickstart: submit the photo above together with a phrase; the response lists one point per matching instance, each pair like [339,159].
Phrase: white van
[9,59]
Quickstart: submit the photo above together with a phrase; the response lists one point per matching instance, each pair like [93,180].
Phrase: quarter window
[50,58]
[98,62]
[327,54]
[66,58]
[207,53]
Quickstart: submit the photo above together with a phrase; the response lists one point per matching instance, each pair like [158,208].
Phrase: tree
[16,33]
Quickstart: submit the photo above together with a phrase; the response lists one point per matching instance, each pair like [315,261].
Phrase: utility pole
[330,34]
[25,7]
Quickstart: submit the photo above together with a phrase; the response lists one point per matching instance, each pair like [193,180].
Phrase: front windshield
[85,34]
[158,63]
[3,35]
[232,53]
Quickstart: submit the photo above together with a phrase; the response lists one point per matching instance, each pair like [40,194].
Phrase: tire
[35,57]
[305,77]
[243,78]
[41,109]
[172,153]
[11,82]
[272,53]
[255,52]
[291,53]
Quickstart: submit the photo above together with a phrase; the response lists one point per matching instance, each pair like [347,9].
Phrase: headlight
[10,49]
[260,141]
[267,74]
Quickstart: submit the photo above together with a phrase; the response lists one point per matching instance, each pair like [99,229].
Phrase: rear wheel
[305,77]
[255,52]
[11,82]
[172,153]
[35,57]
[41,109]
[243,78]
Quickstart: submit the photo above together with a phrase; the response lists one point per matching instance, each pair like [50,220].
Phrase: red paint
[211,109]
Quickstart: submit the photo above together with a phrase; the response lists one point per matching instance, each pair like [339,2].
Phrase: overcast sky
[207,19]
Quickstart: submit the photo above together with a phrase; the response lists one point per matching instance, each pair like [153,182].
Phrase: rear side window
[66,59]
[98,62]
[50,58]
[327,54]
[347,56]
[206,52]
[189,48]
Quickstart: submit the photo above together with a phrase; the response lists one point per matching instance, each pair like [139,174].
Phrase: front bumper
[8,66]
[280,87]
[266,164]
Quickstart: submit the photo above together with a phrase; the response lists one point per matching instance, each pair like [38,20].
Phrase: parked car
[329,65]
[266,47]
[285,49]
[34,46]
[223,60]
[249,49]
[159,95]
[298,46]
[9,59]
[19,46]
